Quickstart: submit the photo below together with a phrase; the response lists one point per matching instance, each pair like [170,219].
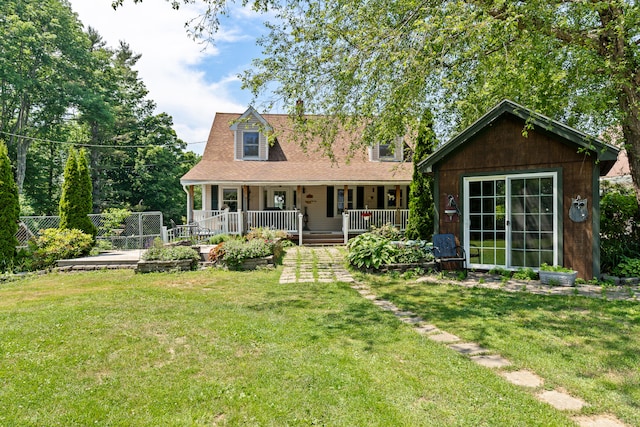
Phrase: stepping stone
[491,361]
[598,421]
[562,401]
[411,320]
[426,329]
[523,378]
[469,348]
[443,337]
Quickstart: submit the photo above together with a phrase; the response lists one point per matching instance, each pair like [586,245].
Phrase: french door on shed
[511,220]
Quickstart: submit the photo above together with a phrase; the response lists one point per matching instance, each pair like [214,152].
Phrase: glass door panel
[511,221]
[532,221]
[486,238]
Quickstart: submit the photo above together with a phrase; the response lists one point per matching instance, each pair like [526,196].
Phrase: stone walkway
[314,264]
[326,264]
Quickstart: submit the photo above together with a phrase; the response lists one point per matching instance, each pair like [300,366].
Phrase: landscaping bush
[387,231]
[619,227]
[371,250]
[237,251]
[171,253]
[55,244]
[629,267]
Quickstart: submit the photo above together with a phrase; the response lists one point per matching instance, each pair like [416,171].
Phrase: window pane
[488,188]
[385,151]
[250,144]
[474,189]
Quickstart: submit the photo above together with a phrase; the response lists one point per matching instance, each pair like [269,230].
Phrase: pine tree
[421,214]
[75,201]
[9,210]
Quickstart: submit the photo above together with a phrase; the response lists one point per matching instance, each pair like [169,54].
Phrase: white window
[230,198]
[251,145]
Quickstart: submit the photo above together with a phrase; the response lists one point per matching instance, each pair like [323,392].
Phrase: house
[254,173]
[519,189]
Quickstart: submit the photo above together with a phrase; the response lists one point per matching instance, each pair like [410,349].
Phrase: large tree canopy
[577,61]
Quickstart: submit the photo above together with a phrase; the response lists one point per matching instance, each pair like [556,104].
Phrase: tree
[421,217]
[384,62]
[42,53]
[75,201]
[9,210]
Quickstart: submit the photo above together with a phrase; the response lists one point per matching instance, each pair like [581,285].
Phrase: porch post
[345,226]
[346,197]
[189,190]
[397,204]
[300,219]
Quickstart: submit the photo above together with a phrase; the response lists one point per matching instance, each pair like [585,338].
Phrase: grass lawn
[228,348]
[587,346]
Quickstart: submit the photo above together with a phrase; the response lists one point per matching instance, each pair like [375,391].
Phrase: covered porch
[301,210]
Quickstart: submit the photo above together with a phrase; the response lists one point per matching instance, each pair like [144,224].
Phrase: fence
[136,232]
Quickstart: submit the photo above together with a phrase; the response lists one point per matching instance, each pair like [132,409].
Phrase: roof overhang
[606,154]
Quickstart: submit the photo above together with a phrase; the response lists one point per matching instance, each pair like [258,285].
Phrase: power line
[91,145]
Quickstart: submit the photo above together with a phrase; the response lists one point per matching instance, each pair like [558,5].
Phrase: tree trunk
[22,144]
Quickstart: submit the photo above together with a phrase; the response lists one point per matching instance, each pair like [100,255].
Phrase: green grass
[231,348]
[589,347]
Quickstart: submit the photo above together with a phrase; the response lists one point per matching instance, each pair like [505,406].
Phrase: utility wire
[91,145]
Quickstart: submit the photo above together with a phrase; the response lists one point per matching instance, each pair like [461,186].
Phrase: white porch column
[206,197]
[189,190]
[345,226]
[300,220]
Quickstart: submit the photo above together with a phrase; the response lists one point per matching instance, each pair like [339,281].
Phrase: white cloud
[171,63]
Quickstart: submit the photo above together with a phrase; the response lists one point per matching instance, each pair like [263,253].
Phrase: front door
[511,220]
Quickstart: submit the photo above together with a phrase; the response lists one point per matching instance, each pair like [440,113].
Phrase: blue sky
[187,80]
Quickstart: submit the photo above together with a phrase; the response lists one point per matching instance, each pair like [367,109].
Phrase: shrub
[171,253]
[266,233]
[219,238]
[619,227]
[387,231]
[236,251]
[371,250]
[55,244]
[629,267]
[525,274]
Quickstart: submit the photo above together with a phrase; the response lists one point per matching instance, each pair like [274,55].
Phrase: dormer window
[251,134]
[387,152]
[251,145]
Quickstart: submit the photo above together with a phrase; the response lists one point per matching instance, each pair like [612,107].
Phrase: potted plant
[366,216]
[557,275]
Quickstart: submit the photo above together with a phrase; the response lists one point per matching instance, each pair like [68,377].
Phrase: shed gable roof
[606,153]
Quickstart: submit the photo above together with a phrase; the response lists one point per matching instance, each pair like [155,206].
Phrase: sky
[187,80]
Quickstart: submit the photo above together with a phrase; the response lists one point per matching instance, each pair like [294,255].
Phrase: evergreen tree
[75,201]
[85,199]
[9,210]
[421,214]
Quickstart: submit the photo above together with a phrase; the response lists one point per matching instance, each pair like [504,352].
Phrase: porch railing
[278,220]
[199,215]
[363,219]
[223,222]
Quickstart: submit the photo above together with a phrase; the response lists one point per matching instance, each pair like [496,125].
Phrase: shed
[519,189]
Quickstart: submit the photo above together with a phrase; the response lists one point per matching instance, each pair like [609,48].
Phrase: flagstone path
[326,264]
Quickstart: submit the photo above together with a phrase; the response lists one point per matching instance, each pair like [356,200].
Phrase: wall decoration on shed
[578,211]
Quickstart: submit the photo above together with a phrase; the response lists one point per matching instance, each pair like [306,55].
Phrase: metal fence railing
[137,231]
